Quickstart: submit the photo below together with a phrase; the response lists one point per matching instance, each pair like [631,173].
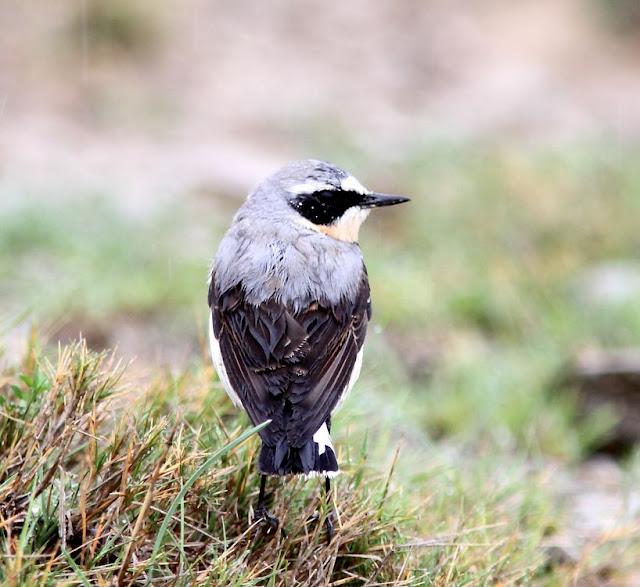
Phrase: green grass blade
[76,569]
[201,470]
[29,520]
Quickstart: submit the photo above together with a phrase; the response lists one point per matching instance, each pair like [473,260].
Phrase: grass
[490,266]
[101,261]
[163,493]
[480,283]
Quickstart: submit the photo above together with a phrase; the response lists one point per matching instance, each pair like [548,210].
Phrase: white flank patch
[351,184]
[357,367]
[309,187]
[216,355]
[323,439]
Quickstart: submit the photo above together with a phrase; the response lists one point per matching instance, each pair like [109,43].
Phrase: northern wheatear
[289,300]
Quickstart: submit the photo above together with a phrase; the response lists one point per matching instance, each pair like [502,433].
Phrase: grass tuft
[91,493]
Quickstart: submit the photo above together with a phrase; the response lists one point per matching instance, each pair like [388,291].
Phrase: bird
[289,303]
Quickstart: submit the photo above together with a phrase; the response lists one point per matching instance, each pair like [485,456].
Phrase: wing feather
[290,366]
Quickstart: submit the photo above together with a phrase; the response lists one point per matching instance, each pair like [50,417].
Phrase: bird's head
[327,199]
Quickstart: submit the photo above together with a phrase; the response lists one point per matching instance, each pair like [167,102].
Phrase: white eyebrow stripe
[351,184]
[310,187]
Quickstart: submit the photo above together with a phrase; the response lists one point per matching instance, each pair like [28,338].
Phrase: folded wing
[288,366]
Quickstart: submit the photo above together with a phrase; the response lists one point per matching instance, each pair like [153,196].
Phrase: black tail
[283,459]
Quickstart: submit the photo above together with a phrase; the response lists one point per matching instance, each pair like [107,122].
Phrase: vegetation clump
[91,493]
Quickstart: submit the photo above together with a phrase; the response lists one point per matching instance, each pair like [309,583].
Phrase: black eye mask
[325,206]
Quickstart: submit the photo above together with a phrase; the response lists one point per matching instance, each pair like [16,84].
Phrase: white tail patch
[313,474]
[323,439]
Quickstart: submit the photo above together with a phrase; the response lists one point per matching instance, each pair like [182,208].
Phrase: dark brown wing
[291,367]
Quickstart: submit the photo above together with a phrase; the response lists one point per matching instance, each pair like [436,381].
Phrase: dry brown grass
[162,492]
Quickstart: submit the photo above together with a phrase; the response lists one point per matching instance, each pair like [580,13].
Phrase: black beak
[376,200]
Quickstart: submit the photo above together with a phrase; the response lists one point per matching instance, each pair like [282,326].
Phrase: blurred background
[506,334]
